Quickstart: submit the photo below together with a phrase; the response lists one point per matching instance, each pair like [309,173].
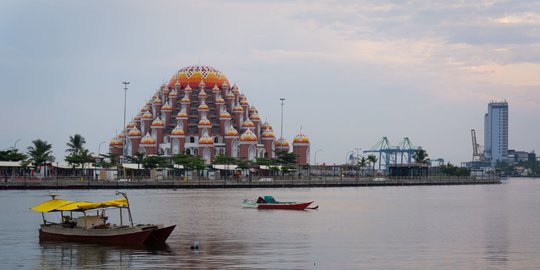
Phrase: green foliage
[12,155]
[75,144]
[109,160]
[420,156]
[137,158]
[189,162]
[153,162]
[284,158]
[244,164]
[372,159]
[40,152]
[224,159]
[451,170]
[79,157]
[264,161]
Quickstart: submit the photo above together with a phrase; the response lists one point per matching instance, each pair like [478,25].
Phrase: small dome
[165,89]
[252,109]
[134,132]
[173,93]
[182,114]
[148,140]
[224,115]
[204,122]
[267,133]
[116,142]
[147,115]
[188,88]
[229,95]
[149,103]
[137,117]
[206,140]
[301,138]
[202,93]
[130,125]
[235,89]
[238,108]
[202,84]
[177,131]
[166,107]
[231,131]
[215,89]
[185,100]
[255,117]
[248,124]
[157,101]
[145,108]
[244,102]
[282,142]
[157,123]
[203,107]
[122,135]
[224,85]
[220,100]
[248,136]
[177,83]
[266,125]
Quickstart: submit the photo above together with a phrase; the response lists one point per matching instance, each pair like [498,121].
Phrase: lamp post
[98,152]
[315,158]
[15,144]
[348,155]
[282,99]
[125,133]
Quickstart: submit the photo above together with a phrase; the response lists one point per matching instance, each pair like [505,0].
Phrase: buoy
[195,245]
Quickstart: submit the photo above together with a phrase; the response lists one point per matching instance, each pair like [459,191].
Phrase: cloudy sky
[351,71]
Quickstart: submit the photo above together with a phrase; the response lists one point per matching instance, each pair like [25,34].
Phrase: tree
[75,144]
[137,158]
[109,160]
[362,163]
[189,162]
[80,157]
[284,157]
[420,156]
[451,170]
[153,162]
[40,152]
[224,159]
[372,159]
[12,155]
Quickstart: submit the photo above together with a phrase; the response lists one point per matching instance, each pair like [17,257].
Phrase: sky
[352,72]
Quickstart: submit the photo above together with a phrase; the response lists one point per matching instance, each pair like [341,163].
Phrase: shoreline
[226,184]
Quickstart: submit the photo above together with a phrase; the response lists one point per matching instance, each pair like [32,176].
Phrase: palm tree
[362,163]
[75,144]
[137,158]
[40,152]
[420,156]
[372,159]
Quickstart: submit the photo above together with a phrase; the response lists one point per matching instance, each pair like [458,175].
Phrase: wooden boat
[268,202]
[90,228]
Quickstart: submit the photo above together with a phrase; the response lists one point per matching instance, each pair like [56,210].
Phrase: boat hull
[121,236]
[276,205]
[160,234]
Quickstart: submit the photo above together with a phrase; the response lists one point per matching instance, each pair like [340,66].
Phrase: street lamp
[125,132]
[15,144]
[282,99]
[347,156]
[98,152]
[315,161]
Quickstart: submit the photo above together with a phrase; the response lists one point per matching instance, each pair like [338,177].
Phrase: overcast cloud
[351,71]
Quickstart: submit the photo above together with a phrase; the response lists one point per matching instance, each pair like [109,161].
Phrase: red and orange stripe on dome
[193,75]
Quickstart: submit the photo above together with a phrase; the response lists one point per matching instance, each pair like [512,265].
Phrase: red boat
[90,228]
[268,202]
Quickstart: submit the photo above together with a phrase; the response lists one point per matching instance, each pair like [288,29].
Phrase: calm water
[428,227]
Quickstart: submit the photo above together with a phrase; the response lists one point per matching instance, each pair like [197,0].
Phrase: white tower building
[496,132]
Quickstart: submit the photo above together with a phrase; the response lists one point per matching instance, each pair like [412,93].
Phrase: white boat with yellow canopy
[93,227]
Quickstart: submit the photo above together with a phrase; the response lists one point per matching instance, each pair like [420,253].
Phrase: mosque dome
[194,75]
[157,123]
[147,115]
[205,139]
[301,138]
[282,142]
[166,107]
[267,133]
[231,131]
[248,136]
[122,135]
[177,131]
[148,140]
[248,124]
[266,125]
[134,132]
[116,142]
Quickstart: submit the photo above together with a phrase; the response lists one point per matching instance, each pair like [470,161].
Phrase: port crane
[478,150]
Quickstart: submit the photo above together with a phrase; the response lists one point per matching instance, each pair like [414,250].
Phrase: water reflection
[55,254]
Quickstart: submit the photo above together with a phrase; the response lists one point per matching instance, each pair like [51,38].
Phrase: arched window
[192,139]
[188,151]
[206,155]
[175,146]
[252,152]
[235,148]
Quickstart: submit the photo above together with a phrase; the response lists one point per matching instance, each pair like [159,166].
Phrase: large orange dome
[193,75]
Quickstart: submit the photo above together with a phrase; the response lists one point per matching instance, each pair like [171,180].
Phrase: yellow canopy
[63,205]
[50,205]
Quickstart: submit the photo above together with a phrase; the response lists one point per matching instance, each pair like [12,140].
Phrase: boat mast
[127,201]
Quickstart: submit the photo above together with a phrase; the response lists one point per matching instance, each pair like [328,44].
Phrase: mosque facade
[199,113]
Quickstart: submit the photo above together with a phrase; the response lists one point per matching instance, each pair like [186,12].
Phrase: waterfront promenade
[269,182]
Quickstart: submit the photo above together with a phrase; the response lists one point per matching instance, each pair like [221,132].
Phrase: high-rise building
[496,132]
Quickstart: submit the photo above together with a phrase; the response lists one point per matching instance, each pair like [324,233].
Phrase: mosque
[197,112]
